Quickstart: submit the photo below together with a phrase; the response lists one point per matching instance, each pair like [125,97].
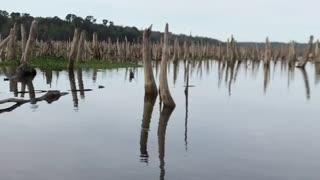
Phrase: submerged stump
[164,88]
[150,86]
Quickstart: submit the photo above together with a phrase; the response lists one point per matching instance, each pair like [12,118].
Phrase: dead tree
[306,54]
[164,88]
[30,43]
[73,50]
[317,52]
[23,38]
[81,47]
[267,52]
[292,54]
[149,82]
[185,50]
[95,47]
[5,41]
[12,44]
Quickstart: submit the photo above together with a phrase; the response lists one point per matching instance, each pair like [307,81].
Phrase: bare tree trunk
[306,54]
[30,43]
[267,52]
[292,54]
[164,89]
[81,46]
[73,50]
[317,52]
[11,47]
[95,47]
[23,39]
[149,82]
[186,50]
[5,41]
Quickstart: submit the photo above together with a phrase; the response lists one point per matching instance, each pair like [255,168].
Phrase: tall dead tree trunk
[306,54]
[150,86]
[292,54]
[30,43]
[11,47]
[317,52]
[73,50]
[95,47]
[164,89]
[5,42]
[23,39]
[185,50]
[267,52]
[81,47]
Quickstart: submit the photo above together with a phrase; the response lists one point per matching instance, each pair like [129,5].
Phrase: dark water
[243,122]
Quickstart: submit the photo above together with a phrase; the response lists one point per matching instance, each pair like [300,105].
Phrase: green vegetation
[49,63]
[54,28]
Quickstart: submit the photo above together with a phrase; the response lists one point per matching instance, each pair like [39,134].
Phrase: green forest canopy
[54,28]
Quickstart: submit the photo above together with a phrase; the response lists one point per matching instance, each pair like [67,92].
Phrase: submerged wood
[149,81]
[164,88]
[49,97]
[306,54]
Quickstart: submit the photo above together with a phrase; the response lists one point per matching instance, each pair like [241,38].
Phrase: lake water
[244,122]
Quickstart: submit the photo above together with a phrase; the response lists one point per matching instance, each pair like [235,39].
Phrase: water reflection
[49,97]
[242,79]
[163,122]
[317,72]
[186,92]
[147,114]
[80,83]
[306,82]
[73,88]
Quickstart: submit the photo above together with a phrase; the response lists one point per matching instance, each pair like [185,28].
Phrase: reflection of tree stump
[163,122]
[147,114]
[49,97]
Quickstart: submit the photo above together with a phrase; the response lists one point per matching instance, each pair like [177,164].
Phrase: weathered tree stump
[163,86]
[150,86]
[74,48]
[306,54]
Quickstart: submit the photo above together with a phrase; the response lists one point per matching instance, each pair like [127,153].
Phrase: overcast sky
[247,20]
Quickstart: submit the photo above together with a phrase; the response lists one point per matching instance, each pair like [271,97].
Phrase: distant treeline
[54,28]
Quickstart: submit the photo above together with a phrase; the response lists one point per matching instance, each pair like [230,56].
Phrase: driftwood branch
[49,97]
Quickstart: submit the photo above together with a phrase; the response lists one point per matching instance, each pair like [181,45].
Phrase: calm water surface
[243,122]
